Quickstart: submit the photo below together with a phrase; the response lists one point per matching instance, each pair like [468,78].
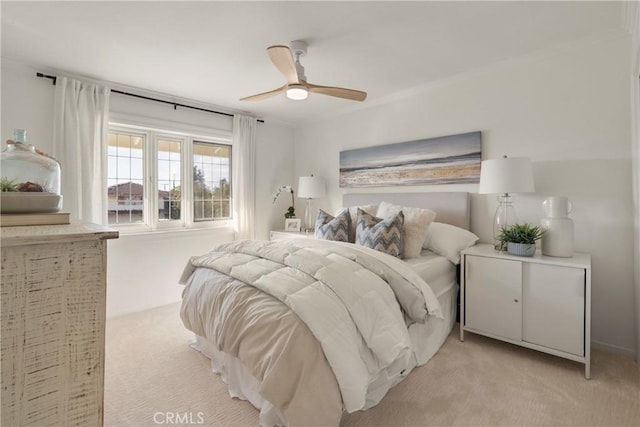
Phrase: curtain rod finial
[45,76]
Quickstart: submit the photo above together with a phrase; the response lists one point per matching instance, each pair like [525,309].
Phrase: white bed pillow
[353,212]
[448,240]
[416,223]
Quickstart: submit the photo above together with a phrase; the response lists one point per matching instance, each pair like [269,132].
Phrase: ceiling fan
[297,87]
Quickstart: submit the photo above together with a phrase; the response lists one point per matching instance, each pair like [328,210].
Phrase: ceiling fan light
[297,92]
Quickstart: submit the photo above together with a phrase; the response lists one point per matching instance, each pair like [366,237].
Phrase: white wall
[567,109]
[274,151]
[27,103]
[633,26]
[143,269]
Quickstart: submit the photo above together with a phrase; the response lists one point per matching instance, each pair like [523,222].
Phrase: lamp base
[505,217]
[309,218]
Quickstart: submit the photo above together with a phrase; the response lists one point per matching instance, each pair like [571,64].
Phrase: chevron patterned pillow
[353,211]
[330,228]
[384,235]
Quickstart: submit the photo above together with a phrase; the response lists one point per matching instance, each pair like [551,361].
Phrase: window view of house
[207,192]
[125,178]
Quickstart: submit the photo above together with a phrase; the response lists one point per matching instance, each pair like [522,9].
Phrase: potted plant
[291,211]
[520,239]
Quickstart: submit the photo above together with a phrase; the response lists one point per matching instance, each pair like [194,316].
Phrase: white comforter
[349,296]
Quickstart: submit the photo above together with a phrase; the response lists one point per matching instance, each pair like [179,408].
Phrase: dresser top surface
[35,234]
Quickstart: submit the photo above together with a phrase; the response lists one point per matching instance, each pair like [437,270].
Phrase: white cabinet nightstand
[539,302]
[284,234]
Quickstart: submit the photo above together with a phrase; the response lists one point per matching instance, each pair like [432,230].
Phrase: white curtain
[243,172]
[80,129]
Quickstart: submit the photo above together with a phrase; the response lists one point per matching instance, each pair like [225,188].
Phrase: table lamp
[310,187]
[505,176]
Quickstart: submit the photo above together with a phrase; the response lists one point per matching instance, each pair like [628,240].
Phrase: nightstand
[539,302]
[284,234]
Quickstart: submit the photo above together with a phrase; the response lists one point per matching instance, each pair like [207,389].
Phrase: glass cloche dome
[29,178]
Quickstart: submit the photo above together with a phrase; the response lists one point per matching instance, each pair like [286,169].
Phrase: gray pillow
[330,228]
[353,212]
[384,235]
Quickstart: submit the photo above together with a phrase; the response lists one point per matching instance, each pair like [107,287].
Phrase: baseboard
[115,314]
[614,349]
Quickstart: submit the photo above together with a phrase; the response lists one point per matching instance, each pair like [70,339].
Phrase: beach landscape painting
[453,159]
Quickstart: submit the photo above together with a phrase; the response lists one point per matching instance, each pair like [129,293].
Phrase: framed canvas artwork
[453,159]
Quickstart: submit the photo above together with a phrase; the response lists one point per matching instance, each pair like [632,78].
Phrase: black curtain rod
[175,104]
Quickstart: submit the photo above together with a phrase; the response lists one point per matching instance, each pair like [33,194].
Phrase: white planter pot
[521,249]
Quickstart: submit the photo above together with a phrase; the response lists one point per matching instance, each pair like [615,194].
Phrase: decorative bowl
[29,202]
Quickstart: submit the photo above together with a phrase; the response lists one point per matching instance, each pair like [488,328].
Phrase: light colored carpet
[152,372]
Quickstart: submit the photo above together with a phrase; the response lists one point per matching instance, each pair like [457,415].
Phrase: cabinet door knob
[515,300]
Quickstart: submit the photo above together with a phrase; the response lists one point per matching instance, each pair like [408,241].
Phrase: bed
[305,329]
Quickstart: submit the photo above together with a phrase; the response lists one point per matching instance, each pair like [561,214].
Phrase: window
[125,177]
[165,179]
[211,181]
[169,178]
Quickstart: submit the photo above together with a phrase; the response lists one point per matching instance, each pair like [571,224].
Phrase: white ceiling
[214,52]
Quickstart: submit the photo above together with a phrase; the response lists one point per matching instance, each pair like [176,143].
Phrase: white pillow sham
[448,240]
[416,224]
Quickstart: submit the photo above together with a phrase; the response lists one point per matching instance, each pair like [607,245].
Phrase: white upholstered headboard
[450,207]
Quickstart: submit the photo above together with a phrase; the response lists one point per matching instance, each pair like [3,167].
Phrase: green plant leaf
[520,233]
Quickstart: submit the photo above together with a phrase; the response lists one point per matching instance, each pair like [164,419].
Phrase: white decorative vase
[557,241]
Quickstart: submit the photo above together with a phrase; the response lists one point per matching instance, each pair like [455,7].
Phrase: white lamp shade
[507,175]
[311,187]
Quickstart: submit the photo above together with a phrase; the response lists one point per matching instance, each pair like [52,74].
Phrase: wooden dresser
[52,297]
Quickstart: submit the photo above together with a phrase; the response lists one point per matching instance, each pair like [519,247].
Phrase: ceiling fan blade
[338,92]
[265,95]
[283,60]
